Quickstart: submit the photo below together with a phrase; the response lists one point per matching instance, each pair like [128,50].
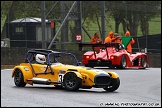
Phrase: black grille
[99,63]
[102,80]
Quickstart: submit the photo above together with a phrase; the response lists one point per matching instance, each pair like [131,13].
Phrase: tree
[151,9]
[133,13]
[140,13]
[117,11]
[90,9]
[6,8]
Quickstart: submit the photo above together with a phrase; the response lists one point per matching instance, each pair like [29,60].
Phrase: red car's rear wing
[110,44]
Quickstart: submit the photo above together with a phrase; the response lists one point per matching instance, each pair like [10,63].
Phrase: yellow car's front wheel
[115,82]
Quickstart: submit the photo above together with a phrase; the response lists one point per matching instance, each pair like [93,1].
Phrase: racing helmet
[40,58]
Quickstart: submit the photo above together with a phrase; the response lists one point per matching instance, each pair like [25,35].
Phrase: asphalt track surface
[138,88]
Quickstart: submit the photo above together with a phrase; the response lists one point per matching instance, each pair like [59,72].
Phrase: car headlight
[87,57]
[112,57]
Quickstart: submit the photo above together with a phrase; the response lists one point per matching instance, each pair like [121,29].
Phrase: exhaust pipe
[41,81]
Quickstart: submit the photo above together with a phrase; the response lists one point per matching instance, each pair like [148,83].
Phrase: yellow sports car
[61,69]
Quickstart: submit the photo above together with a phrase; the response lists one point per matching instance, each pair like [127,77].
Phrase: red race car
[113,55]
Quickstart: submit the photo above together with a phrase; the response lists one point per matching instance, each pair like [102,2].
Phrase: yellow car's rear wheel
[71,81]
[18,78]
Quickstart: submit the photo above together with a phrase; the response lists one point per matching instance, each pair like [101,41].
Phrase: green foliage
[133,13]
[5,6]
[116,12]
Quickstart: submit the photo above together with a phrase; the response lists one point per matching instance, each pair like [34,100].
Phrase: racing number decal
[61,77]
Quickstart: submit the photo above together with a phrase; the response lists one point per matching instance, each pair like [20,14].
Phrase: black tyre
[114,85]
[123,62]
[19,78]
[71,81]
[143,62]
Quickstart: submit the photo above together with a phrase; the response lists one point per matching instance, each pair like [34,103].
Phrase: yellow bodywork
[113,75]
[84,73]
[26,70]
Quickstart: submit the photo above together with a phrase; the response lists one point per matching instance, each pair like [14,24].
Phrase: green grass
[154,28]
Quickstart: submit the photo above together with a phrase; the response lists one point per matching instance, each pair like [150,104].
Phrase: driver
[41,59]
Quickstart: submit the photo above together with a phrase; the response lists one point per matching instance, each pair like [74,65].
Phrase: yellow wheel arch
[113,75]
[26,71]
[77,73]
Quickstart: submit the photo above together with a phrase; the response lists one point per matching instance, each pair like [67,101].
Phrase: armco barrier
[14,56]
